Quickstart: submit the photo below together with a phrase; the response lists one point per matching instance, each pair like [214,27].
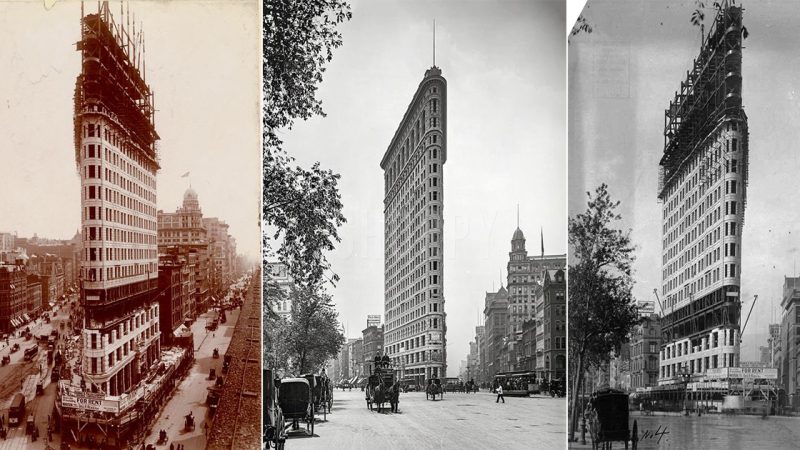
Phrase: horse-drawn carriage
[318,391]
[433,389]
[188,422]
[607,418]
[296,400]
[212,401]
[274,432]
[382,387]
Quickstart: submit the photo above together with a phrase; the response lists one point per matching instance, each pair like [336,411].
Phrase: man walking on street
[500,393]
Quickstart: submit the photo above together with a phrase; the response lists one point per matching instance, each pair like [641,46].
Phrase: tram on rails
[519,383]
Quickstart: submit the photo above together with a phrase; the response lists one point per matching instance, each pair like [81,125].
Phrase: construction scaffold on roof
[710,94]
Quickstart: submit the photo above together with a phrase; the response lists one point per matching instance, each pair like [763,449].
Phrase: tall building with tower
[702,190]
[117,160]
[415,332]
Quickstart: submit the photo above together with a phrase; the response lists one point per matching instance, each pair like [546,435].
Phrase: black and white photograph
[415,224]
[683,245]
[130,284]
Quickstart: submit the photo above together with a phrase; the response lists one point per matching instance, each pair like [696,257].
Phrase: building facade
[645,345]
[413,169]
[372,337]
[702,190]
[278,273]
[790,335]
[525,278]
[183,233]
[13,297]
[496,320]
[554,337]
[117,160]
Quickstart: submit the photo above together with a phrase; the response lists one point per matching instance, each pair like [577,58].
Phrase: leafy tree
[310,338]
[303,206]
[602,312]
[299,38]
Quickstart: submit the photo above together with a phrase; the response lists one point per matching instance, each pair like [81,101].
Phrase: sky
[622,77]
[202,62]
[504,62]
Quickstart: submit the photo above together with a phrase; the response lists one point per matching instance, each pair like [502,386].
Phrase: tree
[303,205]
[309,338]
[602,312]
[299,38]
[304,208]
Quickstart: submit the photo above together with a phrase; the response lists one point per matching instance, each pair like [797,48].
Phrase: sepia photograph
[130,284]
[415,224]
[682,314]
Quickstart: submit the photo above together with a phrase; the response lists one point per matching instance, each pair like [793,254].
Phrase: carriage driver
[386,361]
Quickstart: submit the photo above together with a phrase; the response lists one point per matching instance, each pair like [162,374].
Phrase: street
[191,392]
[27,374]
[712,431]
[459,421]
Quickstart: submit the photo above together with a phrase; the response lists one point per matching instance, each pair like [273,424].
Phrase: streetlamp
[685,375]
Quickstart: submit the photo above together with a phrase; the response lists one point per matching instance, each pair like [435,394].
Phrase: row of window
[699,365]
[118,271]
[125,148]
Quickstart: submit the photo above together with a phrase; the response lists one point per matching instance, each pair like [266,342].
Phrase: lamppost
[685,375]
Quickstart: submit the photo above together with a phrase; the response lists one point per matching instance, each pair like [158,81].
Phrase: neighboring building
[176,285]
[117,160]
[170,299]
[7,242]
[222,251]
[373,344]
[355,353]
[790,339]
[13,297]
[496,319]
[765,355]
[344,361]
[554,319]
[702,189]
[525,278]
[34,305]
[183,233]
[645,345]
[413,165]
[278,273]
[528,344]
[480,357]
[775,345]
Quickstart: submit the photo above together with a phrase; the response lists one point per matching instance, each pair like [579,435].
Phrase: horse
[394,396]
[433,390]
[379,396]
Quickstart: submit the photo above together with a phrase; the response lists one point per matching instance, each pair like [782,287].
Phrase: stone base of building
[126,428]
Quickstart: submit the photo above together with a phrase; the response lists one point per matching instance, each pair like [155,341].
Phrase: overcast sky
[203,64]
[504,63]
[622,77]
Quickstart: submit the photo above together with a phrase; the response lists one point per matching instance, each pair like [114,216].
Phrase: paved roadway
[40,406]
[192,391]
[713,431]
[460,421]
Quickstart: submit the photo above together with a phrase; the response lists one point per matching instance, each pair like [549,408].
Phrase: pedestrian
[500,394]
[172,446]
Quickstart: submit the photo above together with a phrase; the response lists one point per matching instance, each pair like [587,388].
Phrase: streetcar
[519,383]
[31,352]
[16,413]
